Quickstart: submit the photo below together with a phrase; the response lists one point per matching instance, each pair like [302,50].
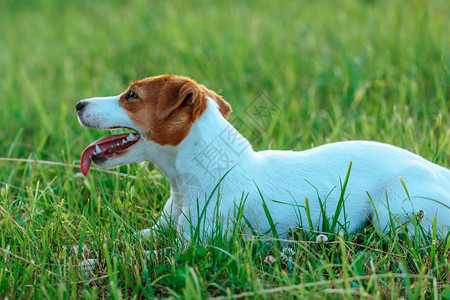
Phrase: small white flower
[321,238]
[287,253]
[269,259]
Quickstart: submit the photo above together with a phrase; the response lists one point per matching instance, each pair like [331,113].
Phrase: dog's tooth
[123,141]
[130,137]
[97,149]
[118,144]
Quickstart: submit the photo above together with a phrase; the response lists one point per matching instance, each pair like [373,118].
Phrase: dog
[182,127]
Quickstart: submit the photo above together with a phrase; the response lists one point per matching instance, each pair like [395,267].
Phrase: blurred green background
[338,69]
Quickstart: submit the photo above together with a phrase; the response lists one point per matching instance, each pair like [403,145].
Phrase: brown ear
[173,95]
[224,106]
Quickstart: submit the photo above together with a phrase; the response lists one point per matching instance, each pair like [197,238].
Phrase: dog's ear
[224,106]
[175,93]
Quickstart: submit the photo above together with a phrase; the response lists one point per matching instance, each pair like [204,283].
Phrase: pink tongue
[103,143]
[86,161]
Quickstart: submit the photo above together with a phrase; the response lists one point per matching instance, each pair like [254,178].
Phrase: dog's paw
[159,254]
[88,265]
[149,254]
[147,233]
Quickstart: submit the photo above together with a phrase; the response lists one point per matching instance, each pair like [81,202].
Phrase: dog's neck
[212,148]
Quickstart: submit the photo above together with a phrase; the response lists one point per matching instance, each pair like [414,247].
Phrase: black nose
[80,105]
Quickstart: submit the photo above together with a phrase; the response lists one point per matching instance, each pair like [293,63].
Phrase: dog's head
[159,110]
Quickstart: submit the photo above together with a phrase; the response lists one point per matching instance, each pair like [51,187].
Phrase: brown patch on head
[166,107]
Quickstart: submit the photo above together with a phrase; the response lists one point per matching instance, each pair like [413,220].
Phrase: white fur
[284,178]
[104,112]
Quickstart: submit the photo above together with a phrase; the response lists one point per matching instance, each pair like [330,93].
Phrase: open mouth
[107,148]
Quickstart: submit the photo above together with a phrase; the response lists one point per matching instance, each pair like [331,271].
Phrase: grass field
[336,70]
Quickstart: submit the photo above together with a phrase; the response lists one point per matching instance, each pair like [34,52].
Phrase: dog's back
[385,183]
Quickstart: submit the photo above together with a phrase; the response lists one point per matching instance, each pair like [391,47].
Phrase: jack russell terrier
[182,127]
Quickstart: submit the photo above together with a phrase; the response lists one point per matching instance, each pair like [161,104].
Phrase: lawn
[331,71]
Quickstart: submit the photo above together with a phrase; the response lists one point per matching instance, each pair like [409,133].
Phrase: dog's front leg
[168,217]
[198,229]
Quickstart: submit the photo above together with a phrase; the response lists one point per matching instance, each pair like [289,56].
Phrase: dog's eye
[131,95]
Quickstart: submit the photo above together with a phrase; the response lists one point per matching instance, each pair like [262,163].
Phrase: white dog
[181,126]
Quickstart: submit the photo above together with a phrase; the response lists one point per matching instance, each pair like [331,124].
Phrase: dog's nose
[80,105]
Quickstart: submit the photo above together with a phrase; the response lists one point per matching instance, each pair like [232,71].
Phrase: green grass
[337,70]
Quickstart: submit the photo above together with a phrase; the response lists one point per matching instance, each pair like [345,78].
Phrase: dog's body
[182,127]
